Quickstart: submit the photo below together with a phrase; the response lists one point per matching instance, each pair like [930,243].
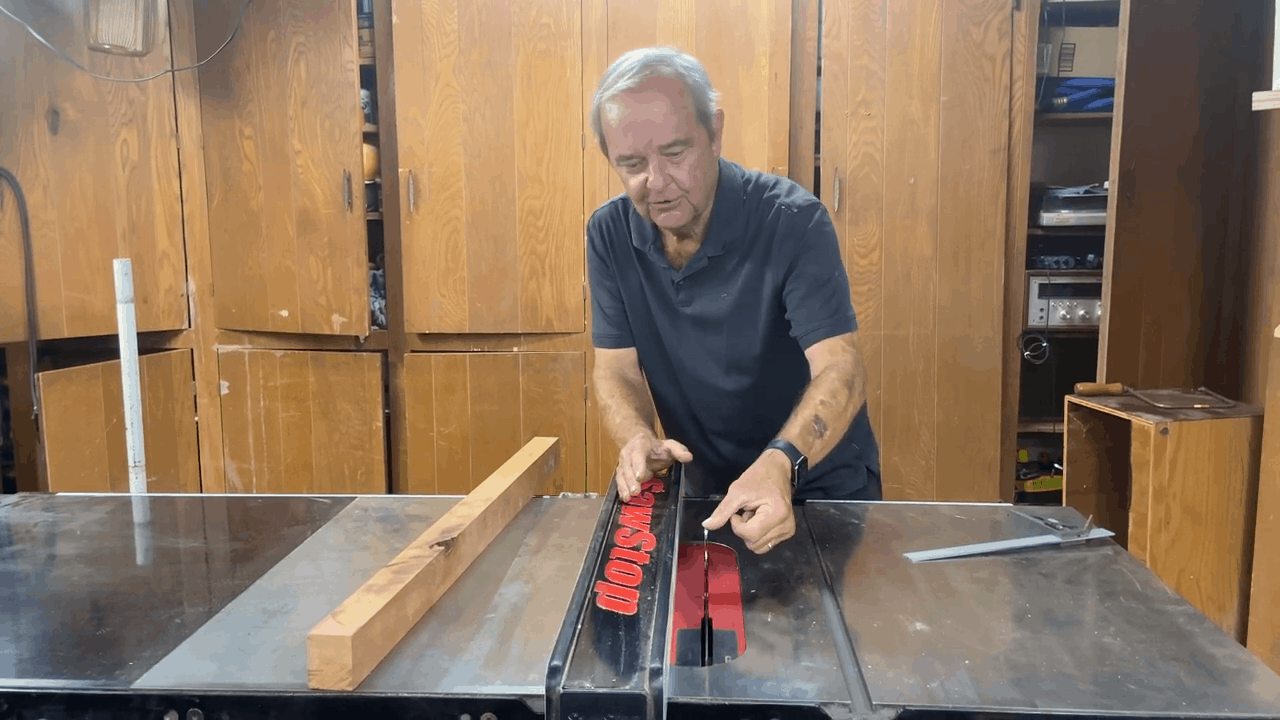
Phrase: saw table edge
[348,644]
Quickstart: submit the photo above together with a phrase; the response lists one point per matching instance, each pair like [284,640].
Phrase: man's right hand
[644,456]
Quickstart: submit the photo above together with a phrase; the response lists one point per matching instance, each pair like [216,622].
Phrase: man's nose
[658,177]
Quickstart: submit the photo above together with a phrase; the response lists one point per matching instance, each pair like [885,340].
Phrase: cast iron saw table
[202,614]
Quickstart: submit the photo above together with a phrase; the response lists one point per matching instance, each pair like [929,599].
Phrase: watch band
[799,463]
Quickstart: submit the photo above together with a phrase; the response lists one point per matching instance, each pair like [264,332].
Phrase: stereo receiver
[1064,300]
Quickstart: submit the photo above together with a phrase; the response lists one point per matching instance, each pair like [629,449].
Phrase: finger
[752,530]
[725,510]
[678,451]
[624,487]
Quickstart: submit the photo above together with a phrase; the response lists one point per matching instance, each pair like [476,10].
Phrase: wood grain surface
[83,434]
[282,129]
[303,421]
[914,172]
[98,164]
[491,241]
[1264,598]
[467,412]
[352,640]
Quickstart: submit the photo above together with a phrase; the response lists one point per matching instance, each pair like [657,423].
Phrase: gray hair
[641,64]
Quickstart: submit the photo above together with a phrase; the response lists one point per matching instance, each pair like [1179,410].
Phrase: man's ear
[717,134]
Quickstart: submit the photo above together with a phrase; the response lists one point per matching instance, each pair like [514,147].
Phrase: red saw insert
[726,635]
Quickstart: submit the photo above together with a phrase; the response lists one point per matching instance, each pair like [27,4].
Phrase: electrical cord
[62,54]
[29,284]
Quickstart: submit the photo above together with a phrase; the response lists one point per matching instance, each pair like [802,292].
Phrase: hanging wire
[62,54]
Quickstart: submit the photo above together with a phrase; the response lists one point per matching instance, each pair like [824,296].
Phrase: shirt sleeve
[609,325]
[816,286]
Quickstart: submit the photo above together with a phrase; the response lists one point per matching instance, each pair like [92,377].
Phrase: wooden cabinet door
[489,184]
[98,164]
[303,422]
[914,147]
[82,426]
[282,132]
[1179,180]
[467,413]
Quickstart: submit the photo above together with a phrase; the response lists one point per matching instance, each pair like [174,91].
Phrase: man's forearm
[825,411]
[624,405]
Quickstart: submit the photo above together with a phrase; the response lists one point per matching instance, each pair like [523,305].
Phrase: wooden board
[804,91]
[303,422]
[98,164]
[1264,597]
[82,426]
[491,233]
[1096,467]
[467,413]
[282,124]
[350,642]
[923,246]
[195,232]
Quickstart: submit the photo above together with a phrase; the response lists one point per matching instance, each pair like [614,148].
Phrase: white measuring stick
[130,383]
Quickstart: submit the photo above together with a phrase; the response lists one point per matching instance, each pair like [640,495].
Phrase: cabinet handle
[346,188]
[837,190]
[412,194]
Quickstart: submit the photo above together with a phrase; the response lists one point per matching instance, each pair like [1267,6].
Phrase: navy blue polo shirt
[721,341]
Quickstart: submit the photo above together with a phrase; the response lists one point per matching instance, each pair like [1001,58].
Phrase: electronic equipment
[1068,300]
[1075,206]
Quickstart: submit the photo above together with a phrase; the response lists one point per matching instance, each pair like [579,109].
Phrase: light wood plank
[486,64]
[1201,534]
[82,426]
[195,232]
[349,643]
[911,163]
[303,422]
[1147,467]
[549,217]
[973,171]
[453,424]
[282,135]
[99,168]
[551,403]
[495,411]
[855,57]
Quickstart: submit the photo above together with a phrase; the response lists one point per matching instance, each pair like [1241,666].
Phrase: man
[727,288]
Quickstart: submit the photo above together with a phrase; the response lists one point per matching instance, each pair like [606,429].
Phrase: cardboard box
[1082,51]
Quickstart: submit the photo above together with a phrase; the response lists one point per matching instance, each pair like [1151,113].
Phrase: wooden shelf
[1039,426]
[373,216]
[370,129]
[234,339]
[1266,100]
[368,62]
[1074,118]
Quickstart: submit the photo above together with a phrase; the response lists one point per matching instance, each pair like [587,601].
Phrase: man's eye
[673,154]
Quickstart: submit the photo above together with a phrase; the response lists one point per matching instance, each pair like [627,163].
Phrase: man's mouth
[664,205]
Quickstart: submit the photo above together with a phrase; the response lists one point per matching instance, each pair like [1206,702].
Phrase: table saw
[585,608]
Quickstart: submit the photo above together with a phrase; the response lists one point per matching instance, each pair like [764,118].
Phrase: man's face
[666,160]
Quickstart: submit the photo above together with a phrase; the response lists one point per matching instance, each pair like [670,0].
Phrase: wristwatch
[799,463]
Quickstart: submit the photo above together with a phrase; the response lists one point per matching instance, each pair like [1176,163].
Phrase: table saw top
[213,598]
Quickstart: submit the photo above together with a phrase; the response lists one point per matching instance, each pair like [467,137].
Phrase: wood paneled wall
[98,164]
[915,139]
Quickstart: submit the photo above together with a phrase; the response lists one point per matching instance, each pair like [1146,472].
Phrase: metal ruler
[1058,534]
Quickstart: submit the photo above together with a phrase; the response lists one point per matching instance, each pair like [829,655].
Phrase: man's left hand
[763,495]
